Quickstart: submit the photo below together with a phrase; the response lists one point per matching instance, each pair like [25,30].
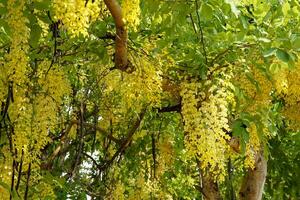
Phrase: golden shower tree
[135,99]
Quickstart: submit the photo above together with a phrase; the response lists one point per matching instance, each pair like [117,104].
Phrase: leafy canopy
[137,99]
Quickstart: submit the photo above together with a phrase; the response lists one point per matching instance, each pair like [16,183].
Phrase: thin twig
[193,23]
[20,171]
[126,141]
[12,178]
[154,155]
[27,181]
[201,32]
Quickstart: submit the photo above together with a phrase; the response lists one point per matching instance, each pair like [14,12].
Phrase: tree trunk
[210,189]
[253,184]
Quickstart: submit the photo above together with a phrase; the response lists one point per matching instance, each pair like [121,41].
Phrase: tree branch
[91,158]
[174,108]
[126,141]
[121,59]
[27,181]
[20,171]
[201,32]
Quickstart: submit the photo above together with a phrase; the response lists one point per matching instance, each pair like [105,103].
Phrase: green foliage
[104,132]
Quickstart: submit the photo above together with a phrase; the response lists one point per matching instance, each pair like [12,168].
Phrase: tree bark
[210,189]
[253,184]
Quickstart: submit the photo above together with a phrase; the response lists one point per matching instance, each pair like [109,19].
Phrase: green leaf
[42,5]
[286,8]
[244,21]
[246,117]
[274,67]
[262,39]
[3,10]
[4,28]
[296,43]
[206,11]
[5,186]
[269,52]
[15,195]
[35,35]
[237,128]
[282,55]
[234,9]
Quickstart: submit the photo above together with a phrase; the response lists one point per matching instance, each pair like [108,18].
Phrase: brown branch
[20,171]
[63,135]
[91,158]
[121,59]
[107,36]
[88,125]
[27,181]
[234,144]
[80,136]
[208,187]
[219,56]
[12,178]
[174,108]
[9,99]
[126,141]
[201,32]
[153,154]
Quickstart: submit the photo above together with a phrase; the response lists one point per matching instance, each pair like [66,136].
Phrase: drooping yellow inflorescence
[35,114]
[131,12]
[143,188]
[253,146]
[54,84]
[16,64]
[166,155]
[287,84]
[205,112]
[118,192]
[44,190]
[6,170]
[256,88]
[134,91]
[76,15]
[13,78]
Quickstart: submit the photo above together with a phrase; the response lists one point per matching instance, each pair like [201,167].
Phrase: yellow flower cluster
[118,192]
[135,90]
[16,64]
[253,146]
[31,124]
[166,155]
[143,188]
[44,191]
[5,169]
[14,72]
[76,15]
[55,83]
[256,88]
[287,84]
[131,12]
[205,112]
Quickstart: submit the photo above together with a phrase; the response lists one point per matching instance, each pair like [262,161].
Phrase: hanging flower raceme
[205,112]
[76,15]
